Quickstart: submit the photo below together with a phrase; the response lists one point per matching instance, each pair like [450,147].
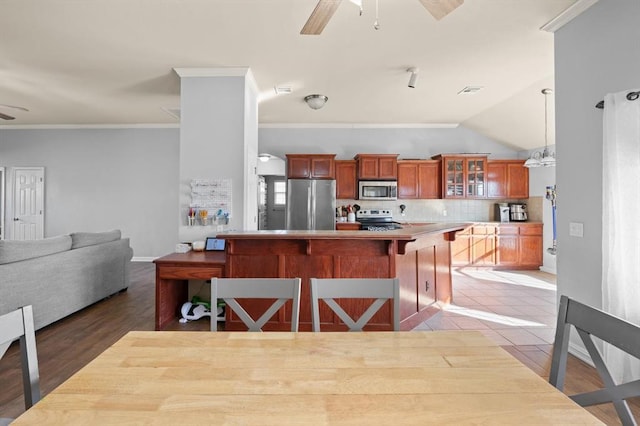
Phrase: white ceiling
[79,62]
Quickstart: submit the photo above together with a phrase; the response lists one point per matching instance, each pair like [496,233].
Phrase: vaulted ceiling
[79,62]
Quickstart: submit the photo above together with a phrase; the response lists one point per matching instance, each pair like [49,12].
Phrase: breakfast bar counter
[418,255]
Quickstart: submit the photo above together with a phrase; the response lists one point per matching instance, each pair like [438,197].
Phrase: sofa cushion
[83,239]
[15,251]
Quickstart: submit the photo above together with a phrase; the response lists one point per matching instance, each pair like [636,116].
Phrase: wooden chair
[16,325]
[282,289]
[328,289]
[589,321]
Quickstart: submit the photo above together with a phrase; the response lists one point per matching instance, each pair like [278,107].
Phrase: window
[279,193]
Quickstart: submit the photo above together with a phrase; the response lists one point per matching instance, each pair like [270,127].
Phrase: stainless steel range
[376,220]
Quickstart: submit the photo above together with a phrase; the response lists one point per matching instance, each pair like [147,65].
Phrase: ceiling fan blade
[320,17]
[6,117]
[441,8]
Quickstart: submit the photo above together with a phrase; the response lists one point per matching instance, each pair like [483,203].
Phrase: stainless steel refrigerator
[311,204]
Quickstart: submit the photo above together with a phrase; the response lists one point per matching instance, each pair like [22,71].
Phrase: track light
[315,101]
[413,78]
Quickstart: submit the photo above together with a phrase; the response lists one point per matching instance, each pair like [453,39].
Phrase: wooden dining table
[282,378]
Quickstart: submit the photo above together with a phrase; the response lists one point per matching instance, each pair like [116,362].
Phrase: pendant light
[544,158]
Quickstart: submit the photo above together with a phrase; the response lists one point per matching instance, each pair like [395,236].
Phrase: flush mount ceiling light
[264,157]
[315,101]
[544,158]
[413,78]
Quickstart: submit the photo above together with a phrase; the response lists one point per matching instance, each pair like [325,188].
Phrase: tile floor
[510,307]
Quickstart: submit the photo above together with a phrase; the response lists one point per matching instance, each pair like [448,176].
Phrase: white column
[218,139]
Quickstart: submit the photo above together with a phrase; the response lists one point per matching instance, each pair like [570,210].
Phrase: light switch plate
[576,229]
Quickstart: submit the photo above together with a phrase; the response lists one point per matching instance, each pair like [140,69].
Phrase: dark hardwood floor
[68,345]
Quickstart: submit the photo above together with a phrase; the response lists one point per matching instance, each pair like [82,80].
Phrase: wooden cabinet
[311,166]
[346,183]
[463,176]
[501,246]
[377,166]
[461,248]
[347,226]
[416,258]
[507,179]
[483,245]
[507,245]
[418,179]
[426,277]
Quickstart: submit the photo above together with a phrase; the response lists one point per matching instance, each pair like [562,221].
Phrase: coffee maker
[502,212]
[518,212]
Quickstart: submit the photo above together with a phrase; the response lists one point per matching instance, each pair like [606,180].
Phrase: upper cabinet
[419,179]
[377,166]
[463,176]
[311,166]
[346,183]
[507,179]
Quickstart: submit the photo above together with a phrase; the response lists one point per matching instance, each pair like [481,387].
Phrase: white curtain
[621,222]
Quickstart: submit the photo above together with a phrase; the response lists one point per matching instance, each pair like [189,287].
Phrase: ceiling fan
[325,9]
[7,116]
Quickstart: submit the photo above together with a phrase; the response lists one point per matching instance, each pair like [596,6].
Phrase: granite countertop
[469,223]
[408,232]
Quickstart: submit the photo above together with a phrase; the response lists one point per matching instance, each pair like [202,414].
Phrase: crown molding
[567,15]
[89,126]
[358,126]
[260,126]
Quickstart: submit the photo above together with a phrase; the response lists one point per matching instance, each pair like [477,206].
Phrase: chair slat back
[19,325]
[329,289]
[281,289]
[589,322]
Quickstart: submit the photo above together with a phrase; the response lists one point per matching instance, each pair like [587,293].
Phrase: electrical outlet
[576,229]
[444,212]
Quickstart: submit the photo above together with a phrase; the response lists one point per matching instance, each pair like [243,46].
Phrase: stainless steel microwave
[378,190]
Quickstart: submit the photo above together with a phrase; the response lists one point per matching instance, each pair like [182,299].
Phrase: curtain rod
[632,96]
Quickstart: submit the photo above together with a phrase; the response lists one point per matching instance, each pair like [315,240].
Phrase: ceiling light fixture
[544,158]
[413,78]
[264,157]
[315,101]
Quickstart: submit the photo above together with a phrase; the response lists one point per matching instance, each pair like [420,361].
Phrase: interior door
[28,203]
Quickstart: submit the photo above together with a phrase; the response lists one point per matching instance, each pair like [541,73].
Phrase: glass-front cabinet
[463,176]
[476,186]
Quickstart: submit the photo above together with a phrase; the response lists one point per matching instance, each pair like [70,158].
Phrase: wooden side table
[173,273]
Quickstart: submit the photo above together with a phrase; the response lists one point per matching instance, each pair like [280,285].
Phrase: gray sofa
[61,275]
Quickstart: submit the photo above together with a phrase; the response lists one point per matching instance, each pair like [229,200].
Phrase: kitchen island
[419,256]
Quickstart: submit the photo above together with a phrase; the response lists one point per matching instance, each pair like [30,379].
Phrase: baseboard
[548,270]
[143,259]
[581,353]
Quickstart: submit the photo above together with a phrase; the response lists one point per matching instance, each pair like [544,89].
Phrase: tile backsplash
[447,210]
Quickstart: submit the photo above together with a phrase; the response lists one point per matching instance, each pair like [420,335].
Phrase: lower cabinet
[426,277]
[500,246]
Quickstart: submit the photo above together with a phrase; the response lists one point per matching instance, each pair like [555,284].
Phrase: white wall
[99,179]
[102,179]
[596,53]
[408,142]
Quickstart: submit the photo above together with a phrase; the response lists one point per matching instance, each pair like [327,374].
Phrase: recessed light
[470,90]
[282,90]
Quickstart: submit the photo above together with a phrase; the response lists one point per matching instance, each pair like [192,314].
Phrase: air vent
[282,90]
[470,90]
